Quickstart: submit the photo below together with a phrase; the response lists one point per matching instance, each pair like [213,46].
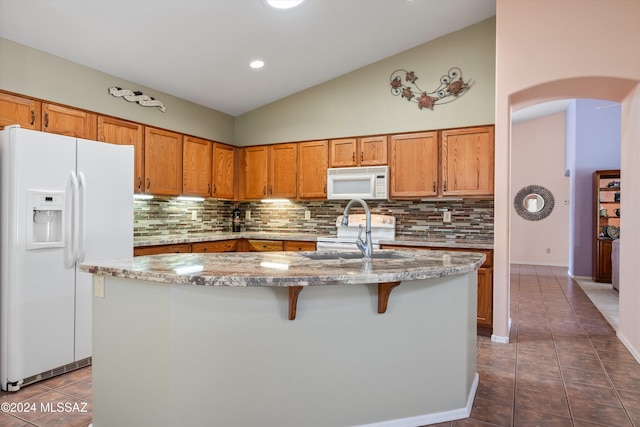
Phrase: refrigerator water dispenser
[45,211]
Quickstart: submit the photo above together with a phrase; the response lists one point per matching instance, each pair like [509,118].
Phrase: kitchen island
[206,339]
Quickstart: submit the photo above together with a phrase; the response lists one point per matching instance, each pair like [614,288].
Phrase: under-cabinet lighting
[142,197]
[275,265]
[190,199]
[189,269]
[275,200]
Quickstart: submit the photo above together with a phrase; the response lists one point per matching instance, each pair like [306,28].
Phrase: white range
[383,227]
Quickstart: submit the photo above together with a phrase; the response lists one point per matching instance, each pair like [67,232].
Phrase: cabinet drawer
[264,245]
[218,246]
[162,249]
[294,245]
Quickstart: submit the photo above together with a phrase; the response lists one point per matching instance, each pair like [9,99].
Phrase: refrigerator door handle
[82,222]
[71,219]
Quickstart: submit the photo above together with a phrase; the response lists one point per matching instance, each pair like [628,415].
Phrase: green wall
[357,103]
[360,102]
[38,74]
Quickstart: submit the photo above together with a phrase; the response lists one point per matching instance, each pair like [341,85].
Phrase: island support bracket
[384,290]
[294,291]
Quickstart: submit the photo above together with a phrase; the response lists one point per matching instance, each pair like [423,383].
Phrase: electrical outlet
[98,286]
[446,217]
[247,214]
[307,214]
[194,215]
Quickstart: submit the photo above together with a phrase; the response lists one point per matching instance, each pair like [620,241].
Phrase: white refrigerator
[63,200]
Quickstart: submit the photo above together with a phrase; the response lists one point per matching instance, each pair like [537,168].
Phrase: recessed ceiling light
[283,4]
[256,64]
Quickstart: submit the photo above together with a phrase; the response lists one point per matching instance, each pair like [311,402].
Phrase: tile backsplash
[470,218]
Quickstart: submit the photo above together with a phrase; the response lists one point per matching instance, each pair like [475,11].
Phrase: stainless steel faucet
[365,246]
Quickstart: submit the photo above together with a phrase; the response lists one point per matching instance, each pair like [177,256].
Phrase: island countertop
[282,269]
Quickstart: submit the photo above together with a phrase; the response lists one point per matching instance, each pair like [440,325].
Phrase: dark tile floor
[63,401]
[564,366]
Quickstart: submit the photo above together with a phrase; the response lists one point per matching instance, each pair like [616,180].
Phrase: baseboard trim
[627,344]
[439,417]
[502,340]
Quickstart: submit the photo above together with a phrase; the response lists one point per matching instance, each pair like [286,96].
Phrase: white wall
[542,55]
[538,158]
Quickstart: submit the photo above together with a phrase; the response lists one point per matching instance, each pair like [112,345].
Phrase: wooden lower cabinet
[162,249]
[230,245]
[217,246]
[299,246]
[485,285]
[602,266]
[264,245]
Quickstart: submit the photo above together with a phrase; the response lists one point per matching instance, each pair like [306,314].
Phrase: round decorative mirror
[533,202]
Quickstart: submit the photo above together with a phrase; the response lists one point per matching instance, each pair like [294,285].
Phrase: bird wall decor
[137,97]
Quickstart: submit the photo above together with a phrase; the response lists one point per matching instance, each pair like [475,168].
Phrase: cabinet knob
[362,156]
[214,188]
[33,117]
[264,190]
[353,156]
[139,183]
[46,119]
[445,186]
[434,186]
[148,183]
[271,190]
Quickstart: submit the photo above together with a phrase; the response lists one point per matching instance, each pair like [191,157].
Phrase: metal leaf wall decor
[451,87]
[137,97]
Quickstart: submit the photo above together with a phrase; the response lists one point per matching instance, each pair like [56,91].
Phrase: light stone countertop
[275,269]
[310,237]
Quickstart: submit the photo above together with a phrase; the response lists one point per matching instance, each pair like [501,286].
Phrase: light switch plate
[307,214]
[446,217]
[247,214]
[194,215]
[98,286]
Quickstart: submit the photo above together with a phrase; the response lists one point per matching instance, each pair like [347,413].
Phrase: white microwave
[367,183]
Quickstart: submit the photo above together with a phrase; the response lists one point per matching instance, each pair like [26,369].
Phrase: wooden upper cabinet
[365,151]
[467,161]
[121,132]
[223,171]
[162,162]
[313,160]
[255,172]
[197,157]
[69,121]
[282,170]
[413,165]
[373,150]
[16,110]
[342,152]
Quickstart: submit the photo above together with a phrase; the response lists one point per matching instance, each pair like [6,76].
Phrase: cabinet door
[255,168]
[162,162]
[413,165]
[342,152]
[16,110]
[312,169]
[197,156]
[69,121]
[223,171]
[116,131]
[282,170]
[467,162]
[485,297]
[373,150]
